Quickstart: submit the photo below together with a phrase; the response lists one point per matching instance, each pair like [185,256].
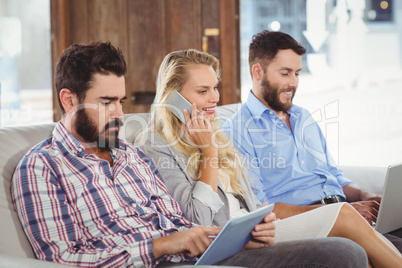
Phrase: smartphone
[176,103]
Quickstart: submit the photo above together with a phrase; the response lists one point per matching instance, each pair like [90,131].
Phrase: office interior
[351,80]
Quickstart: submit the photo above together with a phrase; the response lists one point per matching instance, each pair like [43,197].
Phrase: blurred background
[351,80]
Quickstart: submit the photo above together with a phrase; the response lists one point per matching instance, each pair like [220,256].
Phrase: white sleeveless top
[234,204]
[316,223]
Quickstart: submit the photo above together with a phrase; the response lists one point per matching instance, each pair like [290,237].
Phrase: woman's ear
[67,99]
[257,71]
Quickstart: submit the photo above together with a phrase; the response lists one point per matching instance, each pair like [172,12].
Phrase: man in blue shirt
[286,153]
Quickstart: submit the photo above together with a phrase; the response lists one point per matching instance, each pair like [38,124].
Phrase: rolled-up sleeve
[204,193]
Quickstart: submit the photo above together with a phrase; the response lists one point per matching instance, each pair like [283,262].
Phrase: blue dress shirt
[292,167]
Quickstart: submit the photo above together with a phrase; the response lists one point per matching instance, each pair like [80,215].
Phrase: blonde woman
[204,173]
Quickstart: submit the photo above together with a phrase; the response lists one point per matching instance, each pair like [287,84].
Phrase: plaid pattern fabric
[76,212]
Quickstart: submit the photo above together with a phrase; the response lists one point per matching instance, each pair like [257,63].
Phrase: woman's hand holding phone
[200,130]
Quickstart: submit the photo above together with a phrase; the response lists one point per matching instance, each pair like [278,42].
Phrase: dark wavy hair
[265,45]
[80,62]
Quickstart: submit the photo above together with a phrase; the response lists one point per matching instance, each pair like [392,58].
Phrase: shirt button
[302,162]
[281,125]
[271,112]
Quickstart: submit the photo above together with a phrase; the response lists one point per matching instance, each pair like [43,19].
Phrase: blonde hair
[172,76]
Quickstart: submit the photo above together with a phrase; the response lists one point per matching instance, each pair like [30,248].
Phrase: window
[25,62]
[351,82]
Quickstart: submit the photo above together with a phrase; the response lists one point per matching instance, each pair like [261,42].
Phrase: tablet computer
[233,237]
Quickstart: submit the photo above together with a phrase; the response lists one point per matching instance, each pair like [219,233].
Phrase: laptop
[390,213]
[233,237]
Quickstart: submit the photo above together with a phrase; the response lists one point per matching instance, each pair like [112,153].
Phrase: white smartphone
[176,103]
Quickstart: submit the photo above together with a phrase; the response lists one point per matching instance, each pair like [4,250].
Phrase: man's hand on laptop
[365,202]
[367,196]
[192,242]
[263,234]
[368,208]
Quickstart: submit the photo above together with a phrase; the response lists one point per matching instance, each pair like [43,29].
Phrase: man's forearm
[283,211]
[158,246]
[352,192]
[355,194]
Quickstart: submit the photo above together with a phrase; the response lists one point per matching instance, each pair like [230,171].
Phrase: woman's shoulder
[153,143]
[150,138]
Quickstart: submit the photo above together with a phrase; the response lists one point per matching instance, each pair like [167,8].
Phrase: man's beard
[271,95]
[89,132]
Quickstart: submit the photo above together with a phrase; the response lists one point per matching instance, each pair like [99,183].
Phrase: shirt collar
[72,144]
[257,108]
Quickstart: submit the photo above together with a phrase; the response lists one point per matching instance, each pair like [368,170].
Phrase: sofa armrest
[369,178]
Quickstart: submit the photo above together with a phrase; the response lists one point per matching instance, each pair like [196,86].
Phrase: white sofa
[15,250]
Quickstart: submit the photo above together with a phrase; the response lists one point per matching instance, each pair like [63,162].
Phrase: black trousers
[396,238]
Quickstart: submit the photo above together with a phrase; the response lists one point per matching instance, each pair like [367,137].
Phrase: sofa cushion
[369,178]
[14,143]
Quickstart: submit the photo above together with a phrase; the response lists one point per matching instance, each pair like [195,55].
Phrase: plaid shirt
[74,211]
